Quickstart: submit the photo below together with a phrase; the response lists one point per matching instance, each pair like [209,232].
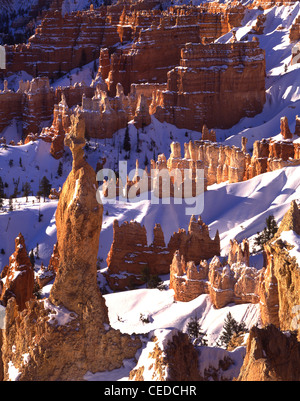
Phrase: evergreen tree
[60,169]
[195,333]
[2,194]
[267,234]
[44,188]
[231,327]
[127,144]
[32,258]
[138,150]
[11,208]
[37,251]
[26,190]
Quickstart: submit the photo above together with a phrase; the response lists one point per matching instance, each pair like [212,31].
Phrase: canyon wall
[211,77]
[61,43]
[158,39]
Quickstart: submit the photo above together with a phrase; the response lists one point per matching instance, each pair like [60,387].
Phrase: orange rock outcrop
[207,81]
[295,30]
[130,254]
[236,283]
[17,279]
[173,359]
[150,56]
[269,154]
[271,356]
[274,287]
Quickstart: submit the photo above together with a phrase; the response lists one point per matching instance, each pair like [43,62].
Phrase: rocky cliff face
[207,81]
[157,40]
[68,334]
[63,42]
[283,270]
[295,31]
[273,353]
[271,356]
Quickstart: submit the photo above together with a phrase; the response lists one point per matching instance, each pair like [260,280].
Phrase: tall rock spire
[69,334]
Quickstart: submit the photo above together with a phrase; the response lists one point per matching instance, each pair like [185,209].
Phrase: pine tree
[127,144]
[60,169]
[267,234]
[44,188]
[2,194]
[26,190]
[10,202]
[32,258]
[195,333]
[37,251]
[231,327]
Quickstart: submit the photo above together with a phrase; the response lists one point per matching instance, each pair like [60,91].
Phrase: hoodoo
[68,335]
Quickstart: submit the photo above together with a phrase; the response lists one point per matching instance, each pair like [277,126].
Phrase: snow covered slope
[282,79]
[236,210]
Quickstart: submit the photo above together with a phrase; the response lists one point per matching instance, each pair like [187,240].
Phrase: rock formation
[283,269]
[68,334]
[56,133]
[205,81]
[172,359]
[271,356]
[17,279]
[269,154]
[274,287]
[150,56]
[239,253]
[295,30]
[225,284]
[130,254]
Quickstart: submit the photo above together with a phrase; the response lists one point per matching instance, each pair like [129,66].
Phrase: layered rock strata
[209,78]
[34,101]
[274,287]
[295,30]
[150,56]
[130,254]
